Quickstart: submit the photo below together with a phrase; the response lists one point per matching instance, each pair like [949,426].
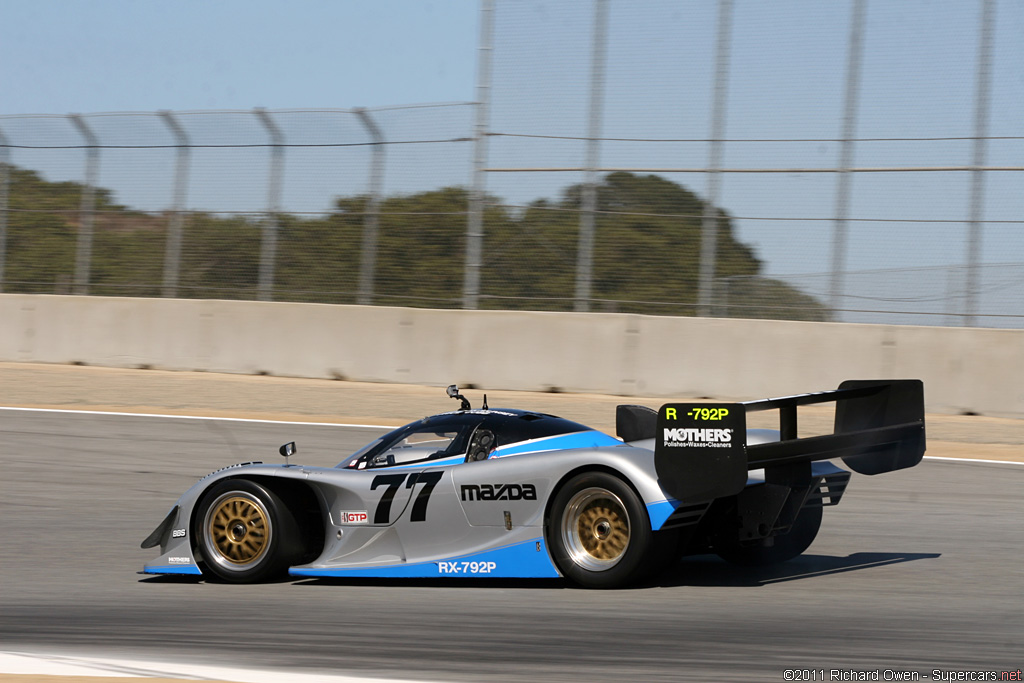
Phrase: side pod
[161,532]
[701,452]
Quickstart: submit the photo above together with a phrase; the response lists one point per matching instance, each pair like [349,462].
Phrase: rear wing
[701,450]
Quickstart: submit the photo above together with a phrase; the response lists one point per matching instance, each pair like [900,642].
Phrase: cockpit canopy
[458,436]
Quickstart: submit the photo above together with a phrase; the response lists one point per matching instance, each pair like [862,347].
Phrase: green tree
[646,254]
[220,257]
[646,248]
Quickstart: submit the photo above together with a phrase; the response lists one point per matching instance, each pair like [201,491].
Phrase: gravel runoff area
[71,387]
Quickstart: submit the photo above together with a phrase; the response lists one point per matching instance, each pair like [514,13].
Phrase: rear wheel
[785,547]
[599,531]
[245,533]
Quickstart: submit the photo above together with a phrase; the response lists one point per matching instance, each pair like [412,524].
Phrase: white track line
[192,417]
[46,664]
[361,426]
[987,462]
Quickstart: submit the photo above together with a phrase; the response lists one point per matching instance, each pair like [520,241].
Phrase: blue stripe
[523,560]
[589,439]
[661,511]
[173,569]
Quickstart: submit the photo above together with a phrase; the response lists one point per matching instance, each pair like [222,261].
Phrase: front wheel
[244,531]
[599,531]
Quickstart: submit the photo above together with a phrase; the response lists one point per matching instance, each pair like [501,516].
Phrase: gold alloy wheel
[595,529]
[238,530]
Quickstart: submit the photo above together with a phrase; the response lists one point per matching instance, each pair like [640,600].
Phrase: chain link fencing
[732,159]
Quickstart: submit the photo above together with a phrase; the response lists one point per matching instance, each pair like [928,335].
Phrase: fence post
[5,184]
[172,252]
[974,233]
[371,217]
[588,203]
[268,247]
[837,287]
[475,220]
[709,222]
[83,255]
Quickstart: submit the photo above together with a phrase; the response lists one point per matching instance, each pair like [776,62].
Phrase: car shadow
[172,578]
[481,582]
[710,570]
[205,578]
[695,571]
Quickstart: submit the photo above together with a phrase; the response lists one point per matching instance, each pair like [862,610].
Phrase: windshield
[410,444]
[449,436]
[362,451]
[415,447]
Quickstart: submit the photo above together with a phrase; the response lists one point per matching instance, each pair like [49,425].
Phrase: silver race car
[516,493]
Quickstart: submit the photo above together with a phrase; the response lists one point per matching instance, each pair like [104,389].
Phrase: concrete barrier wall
[964,370]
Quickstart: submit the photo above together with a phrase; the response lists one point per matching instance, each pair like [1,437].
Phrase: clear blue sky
[786,81]
[60,56]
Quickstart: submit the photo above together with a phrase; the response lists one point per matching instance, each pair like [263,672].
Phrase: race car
[516,493]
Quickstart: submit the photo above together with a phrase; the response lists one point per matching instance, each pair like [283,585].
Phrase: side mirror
[288,449]
[453,391]
[384,460]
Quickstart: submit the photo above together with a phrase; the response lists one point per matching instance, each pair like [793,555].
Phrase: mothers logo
[713,438]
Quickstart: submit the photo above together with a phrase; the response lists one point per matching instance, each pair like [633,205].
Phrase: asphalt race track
[915,571]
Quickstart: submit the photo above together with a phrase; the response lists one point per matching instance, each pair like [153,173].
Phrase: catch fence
[814,161]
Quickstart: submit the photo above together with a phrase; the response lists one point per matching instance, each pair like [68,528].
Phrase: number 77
[382,514]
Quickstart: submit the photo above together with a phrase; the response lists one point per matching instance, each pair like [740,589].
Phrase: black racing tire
[598,531]
[245,533]
[664,553]
[786,547]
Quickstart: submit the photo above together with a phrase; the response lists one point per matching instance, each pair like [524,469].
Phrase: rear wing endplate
[701,451]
